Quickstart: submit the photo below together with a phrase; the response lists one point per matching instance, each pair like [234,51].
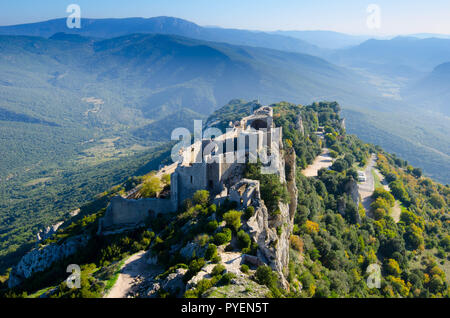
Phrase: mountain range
[109,28]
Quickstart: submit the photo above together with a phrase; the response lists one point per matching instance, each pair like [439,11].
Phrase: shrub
[216,259]
[222,237]
[244,268]
[218,270]
[249,212]
[244,240]
[333,154]
[202,239]
[211,226]
[233,219]
[297,243]
[226,279]
[211,251]
[265,276]
[228,233]
[196,265]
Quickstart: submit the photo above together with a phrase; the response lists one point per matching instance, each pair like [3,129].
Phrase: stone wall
[125,213]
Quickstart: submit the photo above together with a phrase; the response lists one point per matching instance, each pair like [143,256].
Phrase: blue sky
[397,16]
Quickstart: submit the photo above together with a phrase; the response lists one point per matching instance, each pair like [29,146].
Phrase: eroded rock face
[192,249]
[45,233]
[39,259]
[205,272]
[272,233]
[173,284]
[351,188]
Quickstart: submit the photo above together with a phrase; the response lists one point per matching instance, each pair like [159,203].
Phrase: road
[366,188]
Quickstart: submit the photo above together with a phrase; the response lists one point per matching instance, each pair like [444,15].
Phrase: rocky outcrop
[45,233]
[192,249]
[173,284]
[40,259]
[351,189]
[240,287]
[299,125]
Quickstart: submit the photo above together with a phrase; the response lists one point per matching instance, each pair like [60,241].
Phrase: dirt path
[134,270]
[396,211]
[324,160]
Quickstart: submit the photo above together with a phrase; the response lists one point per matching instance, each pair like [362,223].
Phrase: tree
[382,193]
[311,227]
[201,197]
[339,165]
[166,179]
[413,237]
[417,172]
[297,243]
[399,191]
[392,268]
[151,188]
[437,201]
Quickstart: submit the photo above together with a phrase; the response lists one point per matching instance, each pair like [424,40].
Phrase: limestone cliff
[40,259]
[272,233]
[351,188]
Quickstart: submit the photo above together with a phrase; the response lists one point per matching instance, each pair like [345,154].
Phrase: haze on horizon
[401,17]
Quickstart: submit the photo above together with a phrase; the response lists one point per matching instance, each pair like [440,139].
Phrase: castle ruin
[213,164]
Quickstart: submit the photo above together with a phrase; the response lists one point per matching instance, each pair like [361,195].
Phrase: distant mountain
[401,56]
[430,35]
[433,90]
[326,39]
[109,28]
[130,86]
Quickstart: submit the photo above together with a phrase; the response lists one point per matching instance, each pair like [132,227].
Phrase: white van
[361,176]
